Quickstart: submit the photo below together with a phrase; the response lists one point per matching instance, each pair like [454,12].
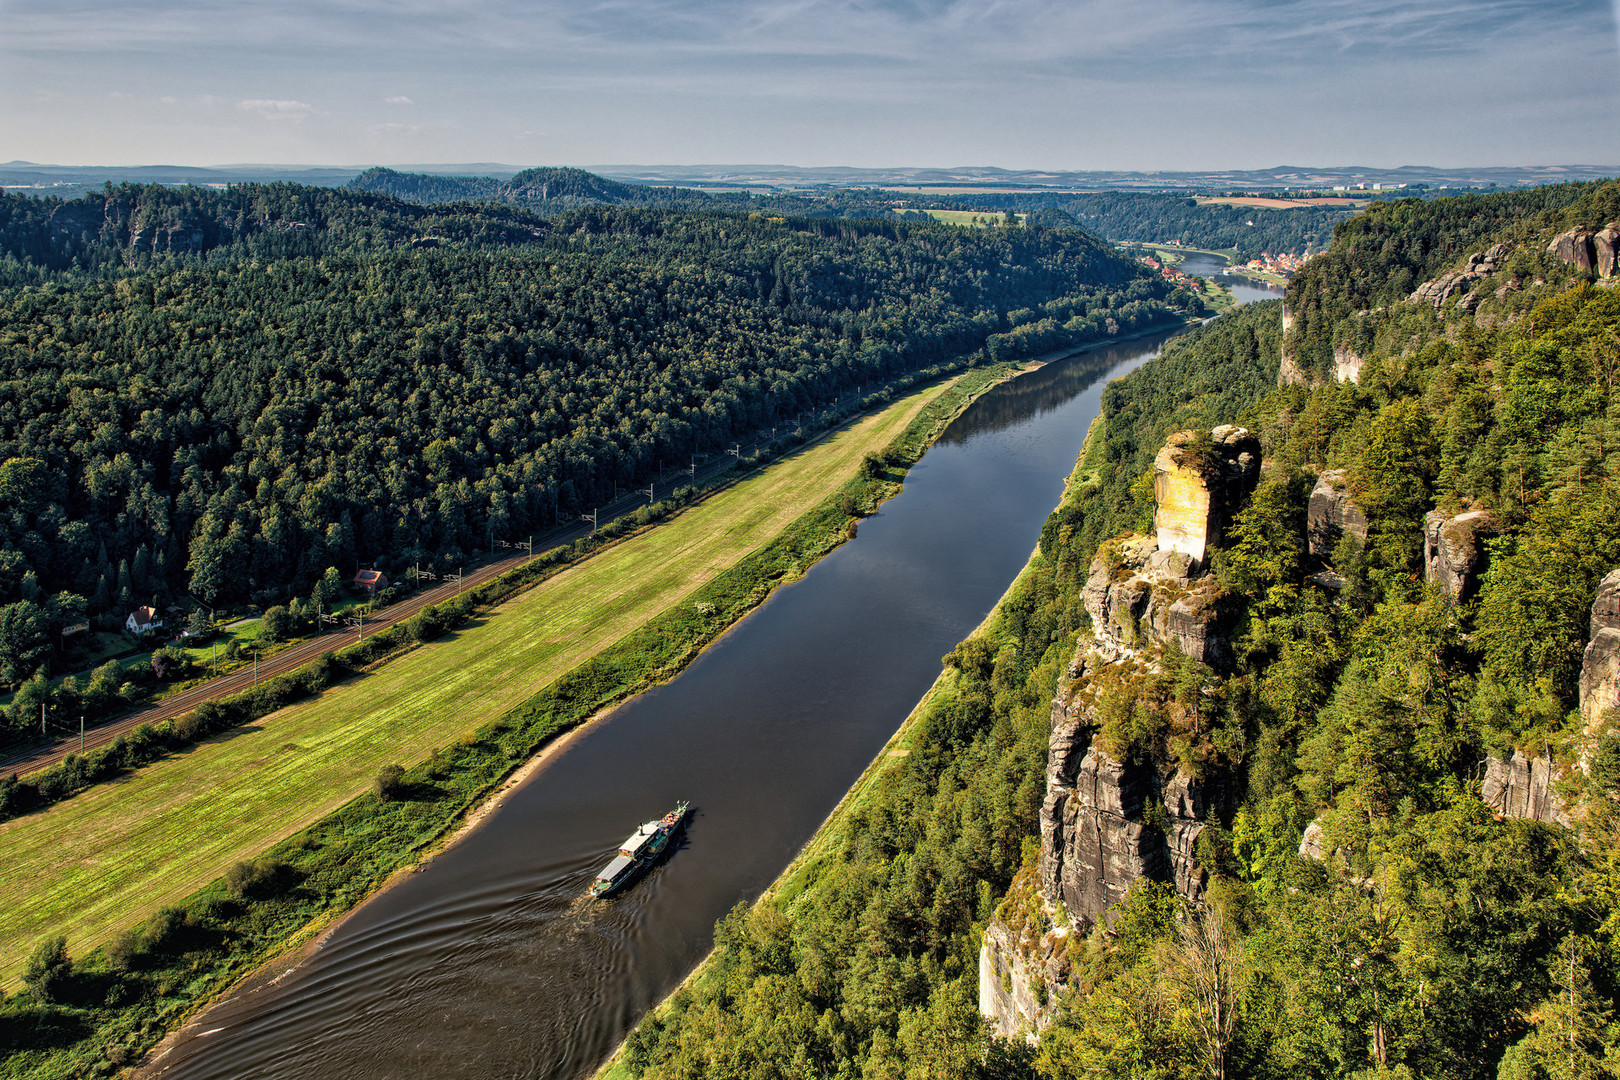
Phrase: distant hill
[426,187]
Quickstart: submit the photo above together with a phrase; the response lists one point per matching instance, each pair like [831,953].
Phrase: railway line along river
[490,962]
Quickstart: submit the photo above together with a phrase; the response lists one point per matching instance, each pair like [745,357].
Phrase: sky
[1025,84]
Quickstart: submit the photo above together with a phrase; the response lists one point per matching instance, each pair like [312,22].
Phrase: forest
[218,397]
[1158,217]
[1433,937]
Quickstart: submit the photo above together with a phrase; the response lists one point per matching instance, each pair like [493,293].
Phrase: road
[49,754]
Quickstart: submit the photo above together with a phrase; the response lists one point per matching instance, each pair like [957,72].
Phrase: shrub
[256,878]
[124,950]
[390,783]
[48,969]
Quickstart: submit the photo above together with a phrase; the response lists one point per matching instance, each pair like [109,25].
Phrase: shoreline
[299,952]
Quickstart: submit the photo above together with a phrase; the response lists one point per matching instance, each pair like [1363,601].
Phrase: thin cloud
[277,110]
[399,99]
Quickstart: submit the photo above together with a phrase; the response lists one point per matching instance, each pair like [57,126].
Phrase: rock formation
[1606,250]
[1197,484]
[1589,249]
[1454,550]
[1096,835]
[1107,822]
[1481,265]
[1023,962]
[1600,666]
[1138,593]
[1575,248]
[1331,515]
[1347,363]
[1521,787]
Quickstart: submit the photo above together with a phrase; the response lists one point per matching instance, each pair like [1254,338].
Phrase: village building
[143,620]
[371,581]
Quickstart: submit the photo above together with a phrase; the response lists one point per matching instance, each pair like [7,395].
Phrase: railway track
[46,755]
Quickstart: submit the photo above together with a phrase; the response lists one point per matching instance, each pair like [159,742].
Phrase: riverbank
[328,867]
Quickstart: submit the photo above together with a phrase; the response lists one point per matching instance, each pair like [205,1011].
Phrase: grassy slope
[111,856]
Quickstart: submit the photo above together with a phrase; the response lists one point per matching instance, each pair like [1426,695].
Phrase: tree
[22,640]
[1206,969]
[390,783]
[24,484]
[1574,1038]
[48,969]
[276,624]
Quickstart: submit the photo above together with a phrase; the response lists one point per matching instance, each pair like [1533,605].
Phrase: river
[488,963]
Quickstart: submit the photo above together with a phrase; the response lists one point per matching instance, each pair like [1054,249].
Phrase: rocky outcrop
[1347,363]
[1589,249]
[1288,369]
[1310,845]
[1023,966]
[1460,283]
[1575,248]
[1606,250]
[1454,550]
[1097,833]
[1138,594]
[1521,787]
[1331,515]
[1197,484]
[1108,821]
[1600,666]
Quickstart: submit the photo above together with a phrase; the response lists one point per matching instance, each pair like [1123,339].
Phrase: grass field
[971,218]
[109,857]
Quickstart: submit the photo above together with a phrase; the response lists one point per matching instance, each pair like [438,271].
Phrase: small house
[143,620]
[371,581]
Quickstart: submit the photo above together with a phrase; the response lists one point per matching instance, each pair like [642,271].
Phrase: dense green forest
[553,190]
[1170,218]
[1432,939]
[1114,215]
[223,395]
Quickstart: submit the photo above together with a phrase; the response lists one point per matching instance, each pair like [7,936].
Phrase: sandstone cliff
[1461,283]
[1521,787]
[1331,515]
[1454,550]
[1589,249]
[1197,482]
[1600,666]
[1111,819]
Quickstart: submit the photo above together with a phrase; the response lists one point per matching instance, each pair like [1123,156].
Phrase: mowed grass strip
[108,858]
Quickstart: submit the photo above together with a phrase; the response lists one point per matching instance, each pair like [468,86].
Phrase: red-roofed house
[371,581]
[143,620]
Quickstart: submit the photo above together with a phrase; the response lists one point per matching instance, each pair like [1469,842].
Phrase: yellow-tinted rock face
[1182,519]
[1197,482]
